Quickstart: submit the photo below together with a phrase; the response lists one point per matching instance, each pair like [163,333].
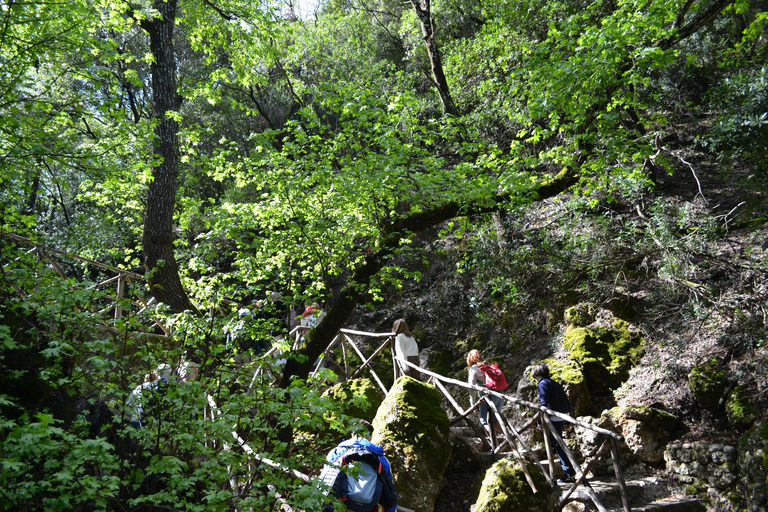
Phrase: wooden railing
[513,439]
[117,282]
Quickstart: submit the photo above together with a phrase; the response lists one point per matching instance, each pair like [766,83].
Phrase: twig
[693,171]
[725,217]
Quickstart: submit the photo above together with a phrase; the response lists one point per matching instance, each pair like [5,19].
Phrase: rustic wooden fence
[116,284]
[512,437]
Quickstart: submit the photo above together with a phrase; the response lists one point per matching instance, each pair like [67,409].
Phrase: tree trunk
[424,13]
[159,259]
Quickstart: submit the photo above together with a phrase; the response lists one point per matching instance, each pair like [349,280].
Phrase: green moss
[739,410]
[358,398]
[419,421]
[755,440]
[696,488]
[565,371]
[708,384]
[505,489]
[606,355]
[475,341]
[579,315]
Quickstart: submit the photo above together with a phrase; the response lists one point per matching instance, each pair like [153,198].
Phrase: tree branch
[357,287]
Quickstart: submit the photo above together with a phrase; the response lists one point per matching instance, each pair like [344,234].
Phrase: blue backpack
[364,492]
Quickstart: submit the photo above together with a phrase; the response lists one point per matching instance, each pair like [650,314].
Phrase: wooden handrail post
[520,460]
[619,475]
[120,292]
[580,476]
[548,446]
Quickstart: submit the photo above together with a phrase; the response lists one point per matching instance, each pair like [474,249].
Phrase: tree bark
[159,259]
[424,13]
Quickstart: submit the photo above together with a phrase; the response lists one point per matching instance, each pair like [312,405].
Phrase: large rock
[505,489]
[646,430]
[584,442]
[413,429]
[739,410]
[708,384]
[606,354]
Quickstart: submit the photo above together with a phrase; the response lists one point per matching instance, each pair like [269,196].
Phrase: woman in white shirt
[476,377]
[406,348]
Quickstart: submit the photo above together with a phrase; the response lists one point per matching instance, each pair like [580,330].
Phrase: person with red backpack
[489,376]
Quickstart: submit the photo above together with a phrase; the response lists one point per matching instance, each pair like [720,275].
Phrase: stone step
[645,494]
[671,505]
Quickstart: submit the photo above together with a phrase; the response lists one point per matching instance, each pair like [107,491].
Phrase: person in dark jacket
[337,453]
[552,396]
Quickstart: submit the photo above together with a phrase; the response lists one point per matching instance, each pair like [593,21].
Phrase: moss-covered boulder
[505,489]
[753,466]
[358,398]
[646,430]
[413,429]
[708,384]
[739,410]
[606,354]
[580,315]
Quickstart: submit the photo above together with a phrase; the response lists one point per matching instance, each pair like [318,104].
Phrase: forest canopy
[229,149]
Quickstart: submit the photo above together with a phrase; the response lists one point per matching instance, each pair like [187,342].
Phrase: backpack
[363,493]
[494,377]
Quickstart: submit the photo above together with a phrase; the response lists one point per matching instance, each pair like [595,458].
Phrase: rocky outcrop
[505,488]
[739,410]
[413,429]
[606,354]
[646,430]
[753,467]
[708,384]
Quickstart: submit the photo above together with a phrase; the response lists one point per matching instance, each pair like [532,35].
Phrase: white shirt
[476,377]
[405,347]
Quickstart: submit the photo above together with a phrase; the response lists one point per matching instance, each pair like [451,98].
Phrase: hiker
[552,396]
[373,488]
[312,315]
[248,342]
[476,377]
[406,348]
[145,394]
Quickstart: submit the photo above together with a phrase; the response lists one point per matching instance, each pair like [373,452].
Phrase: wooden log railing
[120,280]
[512,436]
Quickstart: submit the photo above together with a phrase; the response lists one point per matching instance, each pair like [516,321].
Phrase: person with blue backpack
[367,488]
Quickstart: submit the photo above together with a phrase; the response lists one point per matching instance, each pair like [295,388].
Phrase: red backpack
[494,377]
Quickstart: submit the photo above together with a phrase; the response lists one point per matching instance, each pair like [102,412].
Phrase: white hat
[244,312]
